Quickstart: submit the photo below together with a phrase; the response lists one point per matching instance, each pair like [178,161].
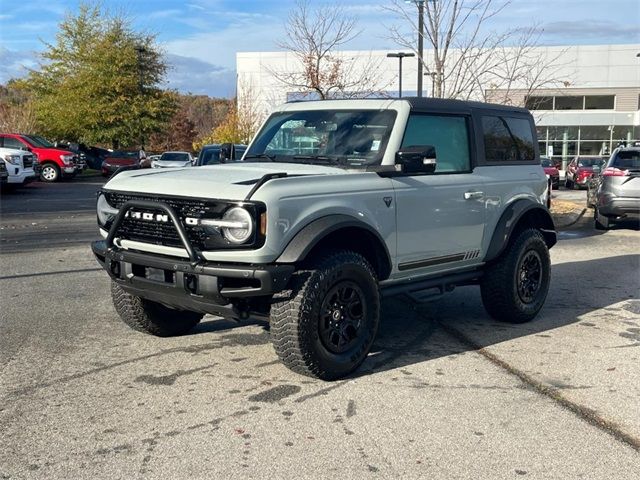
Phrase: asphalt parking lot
[446,392]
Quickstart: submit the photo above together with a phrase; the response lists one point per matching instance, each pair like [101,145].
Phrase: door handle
[473,195]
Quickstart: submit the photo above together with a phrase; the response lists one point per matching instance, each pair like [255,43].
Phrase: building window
[563,133]
[560,102]
[569,103]
[594,147]
[599,102]
[539,103]
[595,133]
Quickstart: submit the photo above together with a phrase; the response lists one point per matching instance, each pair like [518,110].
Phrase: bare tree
[468,61]
[313,36]
[17,117]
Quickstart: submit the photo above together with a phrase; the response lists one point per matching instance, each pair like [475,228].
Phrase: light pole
[420,5]
[400,56]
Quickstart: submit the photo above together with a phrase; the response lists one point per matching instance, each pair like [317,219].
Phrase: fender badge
[387,201]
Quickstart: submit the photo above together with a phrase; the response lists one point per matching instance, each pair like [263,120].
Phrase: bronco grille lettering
[150,217]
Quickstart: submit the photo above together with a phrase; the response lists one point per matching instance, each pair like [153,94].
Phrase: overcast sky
[201,37]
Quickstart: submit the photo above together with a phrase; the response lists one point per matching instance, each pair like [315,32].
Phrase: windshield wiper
[271,158]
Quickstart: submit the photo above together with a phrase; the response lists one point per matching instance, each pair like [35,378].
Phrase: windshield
[39,141]
[342,137]
[589,162]
[121,154]
[210,157]
[175,157]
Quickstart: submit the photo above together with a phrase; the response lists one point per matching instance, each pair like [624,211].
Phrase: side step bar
[417,291]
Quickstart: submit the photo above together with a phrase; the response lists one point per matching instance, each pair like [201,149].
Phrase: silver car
[173,160]
[614,191]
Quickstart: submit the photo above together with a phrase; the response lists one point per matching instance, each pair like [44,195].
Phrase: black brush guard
[196,284]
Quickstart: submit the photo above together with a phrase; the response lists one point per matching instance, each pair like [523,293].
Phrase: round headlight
[240,226]
[105,211]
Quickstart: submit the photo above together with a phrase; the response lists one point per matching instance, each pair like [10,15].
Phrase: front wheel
[50,172]
[515,287]
[151,317]
[326,323]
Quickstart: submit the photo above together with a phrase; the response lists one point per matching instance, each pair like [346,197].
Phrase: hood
[52,151]
[172,163]
[229,181]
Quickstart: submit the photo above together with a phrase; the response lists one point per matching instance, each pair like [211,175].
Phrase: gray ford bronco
[335,205]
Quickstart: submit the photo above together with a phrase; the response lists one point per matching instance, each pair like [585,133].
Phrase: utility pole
[400,56]
[420,43]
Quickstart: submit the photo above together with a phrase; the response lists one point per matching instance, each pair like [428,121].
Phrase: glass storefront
[562,144]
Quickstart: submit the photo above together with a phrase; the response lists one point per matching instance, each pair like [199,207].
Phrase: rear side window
[448,134]
[507,139]
[10,142]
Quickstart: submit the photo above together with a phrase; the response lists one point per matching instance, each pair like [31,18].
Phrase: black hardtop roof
[427,103]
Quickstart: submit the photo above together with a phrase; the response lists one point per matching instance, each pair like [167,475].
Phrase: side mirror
[226,152]
[416,159]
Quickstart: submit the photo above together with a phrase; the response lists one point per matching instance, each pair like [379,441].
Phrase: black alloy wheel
[529,276]
[342,315]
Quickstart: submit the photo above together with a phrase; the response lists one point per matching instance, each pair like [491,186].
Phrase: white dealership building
[596,107]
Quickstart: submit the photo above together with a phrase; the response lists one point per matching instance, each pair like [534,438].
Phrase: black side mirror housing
[416,159]
[226,152]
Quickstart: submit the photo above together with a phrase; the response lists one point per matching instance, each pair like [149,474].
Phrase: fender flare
[313,233]
[510,219]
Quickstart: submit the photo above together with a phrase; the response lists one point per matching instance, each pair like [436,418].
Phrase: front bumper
[204,287]
[22,177]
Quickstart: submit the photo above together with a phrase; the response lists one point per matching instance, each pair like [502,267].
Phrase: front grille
[27,161]
[165,233]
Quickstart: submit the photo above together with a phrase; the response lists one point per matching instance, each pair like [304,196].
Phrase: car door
[440,216]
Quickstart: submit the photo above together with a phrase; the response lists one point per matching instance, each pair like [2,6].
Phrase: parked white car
[173,160]
[19,165]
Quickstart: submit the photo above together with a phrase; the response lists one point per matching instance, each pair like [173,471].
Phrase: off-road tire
[52,172]
[296,322]
[151,317]
[600,222]
[499,284]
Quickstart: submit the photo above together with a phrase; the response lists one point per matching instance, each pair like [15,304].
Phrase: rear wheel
[151,317]
[50,172]
[515,287]
[600,221]
[325,324]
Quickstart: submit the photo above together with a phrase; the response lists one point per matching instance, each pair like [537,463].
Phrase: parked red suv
[55,163]
[551,171]
[580,170]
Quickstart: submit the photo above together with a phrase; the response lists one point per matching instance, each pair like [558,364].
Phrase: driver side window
[449,134]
